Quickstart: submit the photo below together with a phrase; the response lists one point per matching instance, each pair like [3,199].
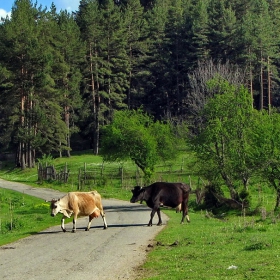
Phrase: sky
[69,5]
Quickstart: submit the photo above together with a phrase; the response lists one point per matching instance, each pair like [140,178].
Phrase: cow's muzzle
[52,214]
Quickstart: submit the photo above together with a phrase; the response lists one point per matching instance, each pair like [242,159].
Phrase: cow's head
[55,207]
[137,194]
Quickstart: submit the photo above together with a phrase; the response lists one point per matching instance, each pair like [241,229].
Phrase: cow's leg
[89,222]
[152,216]
[74,222]
[62,224]
[185,211]
[104,219]
[159,217]
[95,215]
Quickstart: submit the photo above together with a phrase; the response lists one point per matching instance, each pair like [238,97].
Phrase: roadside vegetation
[22,215]
[215,247]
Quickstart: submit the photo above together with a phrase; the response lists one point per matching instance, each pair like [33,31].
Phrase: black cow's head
[137,194]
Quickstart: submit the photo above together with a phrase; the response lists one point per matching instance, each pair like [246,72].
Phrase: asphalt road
[100,254]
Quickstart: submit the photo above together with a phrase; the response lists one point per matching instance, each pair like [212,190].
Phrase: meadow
[233,247]
[222,245]
[22,215]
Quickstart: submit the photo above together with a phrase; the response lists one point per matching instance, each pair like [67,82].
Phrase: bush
[13,224]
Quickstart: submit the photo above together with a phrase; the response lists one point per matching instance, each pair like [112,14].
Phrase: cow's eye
[55,207]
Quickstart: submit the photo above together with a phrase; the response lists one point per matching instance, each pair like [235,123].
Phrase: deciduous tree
[133,135]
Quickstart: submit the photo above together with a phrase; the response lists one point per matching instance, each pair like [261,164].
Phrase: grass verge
[22,215]
[209,248]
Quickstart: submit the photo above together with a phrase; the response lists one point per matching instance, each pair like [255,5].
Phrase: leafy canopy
[223,146]
[134,135]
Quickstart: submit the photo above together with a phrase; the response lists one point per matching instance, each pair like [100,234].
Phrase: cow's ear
[58,199]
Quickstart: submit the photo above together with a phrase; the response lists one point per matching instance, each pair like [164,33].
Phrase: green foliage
[222,146]
[133,135]
[64,73]
[46,160]
[266,151]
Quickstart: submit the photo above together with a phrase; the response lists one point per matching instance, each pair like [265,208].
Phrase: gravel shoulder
[100,254]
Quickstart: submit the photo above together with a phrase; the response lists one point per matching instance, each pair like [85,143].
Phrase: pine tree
[69,55]
[221,30]
[136,48]
[24,53]
[153,74]
[107,62]
[259,50]
[35,111]
[196,29]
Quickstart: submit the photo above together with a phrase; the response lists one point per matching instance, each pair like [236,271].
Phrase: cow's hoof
[87,229]
[149,225]
[64,230]
[73,230]
[159,224]
[105,227]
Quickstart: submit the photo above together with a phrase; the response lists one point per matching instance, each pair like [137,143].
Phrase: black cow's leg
[185,211]
[159,217]
[152,216]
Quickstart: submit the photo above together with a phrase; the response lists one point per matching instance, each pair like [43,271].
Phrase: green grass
[108,185]
[22,215]
[209,248]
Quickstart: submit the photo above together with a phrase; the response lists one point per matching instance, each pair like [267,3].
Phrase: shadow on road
[122,208]
[91,228]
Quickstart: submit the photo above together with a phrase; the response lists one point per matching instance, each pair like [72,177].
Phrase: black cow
[162,193]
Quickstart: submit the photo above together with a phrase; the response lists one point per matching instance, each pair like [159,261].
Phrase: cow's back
[97,198]
[168,194]
[158,187]
[82,202]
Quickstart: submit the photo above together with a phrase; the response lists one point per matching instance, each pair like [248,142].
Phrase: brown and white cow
[79,204]
[163,194]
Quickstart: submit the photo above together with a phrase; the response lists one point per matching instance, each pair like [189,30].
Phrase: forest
[64,75]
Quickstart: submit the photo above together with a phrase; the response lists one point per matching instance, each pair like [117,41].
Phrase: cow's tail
[186,188]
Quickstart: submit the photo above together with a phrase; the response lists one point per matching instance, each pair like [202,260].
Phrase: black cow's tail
[186,188]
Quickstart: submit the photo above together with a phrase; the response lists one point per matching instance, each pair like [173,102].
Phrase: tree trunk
[67,122]
[277,206]
[268,86]
[229,184]
[94,107]
[261,91]
[130,76]
[22,156]
[251,81]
